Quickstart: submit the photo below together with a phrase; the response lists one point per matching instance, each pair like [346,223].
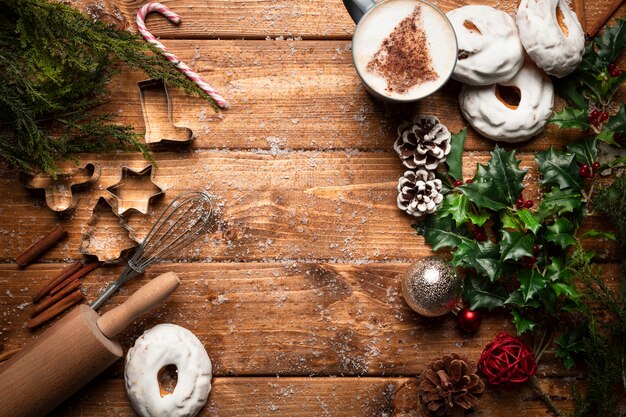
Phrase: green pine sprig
[55,66]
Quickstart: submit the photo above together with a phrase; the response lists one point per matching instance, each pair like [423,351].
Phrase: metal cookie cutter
[60,192]
[156,104]
[106,237]
[135,190]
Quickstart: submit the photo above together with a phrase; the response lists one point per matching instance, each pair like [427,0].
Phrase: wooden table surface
[297,295]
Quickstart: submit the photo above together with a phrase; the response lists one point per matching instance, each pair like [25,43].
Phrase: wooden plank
[260,18]
[267,396]
[285,319]
[300,94]
[291,205]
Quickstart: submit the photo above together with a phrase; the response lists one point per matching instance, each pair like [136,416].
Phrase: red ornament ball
[507,360]
[469,320]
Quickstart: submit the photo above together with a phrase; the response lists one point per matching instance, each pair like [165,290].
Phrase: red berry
[528,204]
[469,320]
[535,249]
[469,181]
[595,113]
[614,71]
[457,183]
[604,117]
[479,234]
[519,203]
[528,262]
[596,166]
[585,171]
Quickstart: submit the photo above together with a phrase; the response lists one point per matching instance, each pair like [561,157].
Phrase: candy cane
[182,67]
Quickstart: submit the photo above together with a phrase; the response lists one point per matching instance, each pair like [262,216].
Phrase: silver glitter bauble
[432,287]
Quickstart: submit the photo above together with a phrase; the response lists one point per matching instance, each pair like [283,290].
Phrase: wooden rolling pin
[72,352]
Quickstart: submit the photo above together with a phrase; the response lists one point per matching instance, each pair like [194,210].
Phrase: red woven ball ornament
[507,360]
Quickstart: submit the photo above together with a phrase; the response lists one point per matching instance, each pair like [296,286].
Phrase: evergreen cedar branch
[55,65]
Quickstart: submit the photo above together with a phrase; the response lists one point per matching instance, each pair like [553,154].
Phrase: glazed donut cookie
[512,111]
[490,50]
[163,345]
[551,35]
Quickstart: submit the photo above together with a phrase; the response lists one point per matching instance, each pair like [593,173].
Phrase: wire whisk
[187,218]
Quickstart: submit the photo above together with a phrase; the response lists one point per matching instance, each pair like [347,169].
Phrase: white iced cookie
[551,35]
[163,345]
[490,50]
[511,111]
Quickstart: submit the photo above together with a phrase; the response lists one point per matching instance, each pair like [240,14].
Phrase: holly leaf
[481,193]
[483,257]
[570,118]
[510,220]
[497,184]
[516,298]
[611,43]
[569,344]
[531,281]
[568,88]
[480,293]
[556,271]
[568,290]
[558,202]
[590,62]
[617,122]
[585,151]
[558,168]
[440,232]
[455,157]
[561,232]
[529,220]
[515,245]
[549,301]
[608,137]
[458,207]
[522,323]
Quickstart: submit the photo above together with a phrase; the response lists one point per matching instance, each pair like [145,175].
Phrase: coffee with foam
[404,49]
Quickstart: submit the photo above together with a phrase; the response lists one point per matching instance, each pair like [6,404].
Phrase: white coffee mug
[376,21]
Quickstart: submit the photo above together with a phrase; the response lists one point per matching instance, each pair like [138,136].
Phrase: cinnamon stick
[605,17]
[579,9]
[58,296]
[56,309]
[8,354]
[56,280]
[76,275]
[37,249]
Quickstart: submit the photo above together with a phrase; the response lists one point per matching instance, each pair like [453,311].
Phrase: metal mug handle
[357,8]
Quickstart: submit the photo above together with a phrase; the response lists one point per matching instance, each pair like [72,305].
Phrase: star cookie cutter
[60,192]
[135,190]
[106,237]
[160,127]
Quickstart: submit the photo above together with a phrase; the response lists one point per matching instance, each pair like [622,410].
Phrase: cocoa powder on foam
[403,59]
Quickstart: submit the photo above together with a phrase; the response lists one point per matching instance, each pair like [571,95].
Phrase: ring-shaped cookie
[163,345]
[551,35]
[497,112]
[490,50]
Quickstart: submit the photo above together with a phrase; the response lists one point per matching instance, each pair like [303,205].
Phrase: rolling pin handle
[144,299]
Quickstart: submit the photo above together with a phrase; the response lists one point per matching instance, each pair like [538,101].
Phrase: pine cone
[449,386]
[423,144]
[419,193]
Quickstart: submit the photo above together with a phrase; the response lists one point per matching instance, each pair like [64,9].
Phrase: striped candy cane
[182,67]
